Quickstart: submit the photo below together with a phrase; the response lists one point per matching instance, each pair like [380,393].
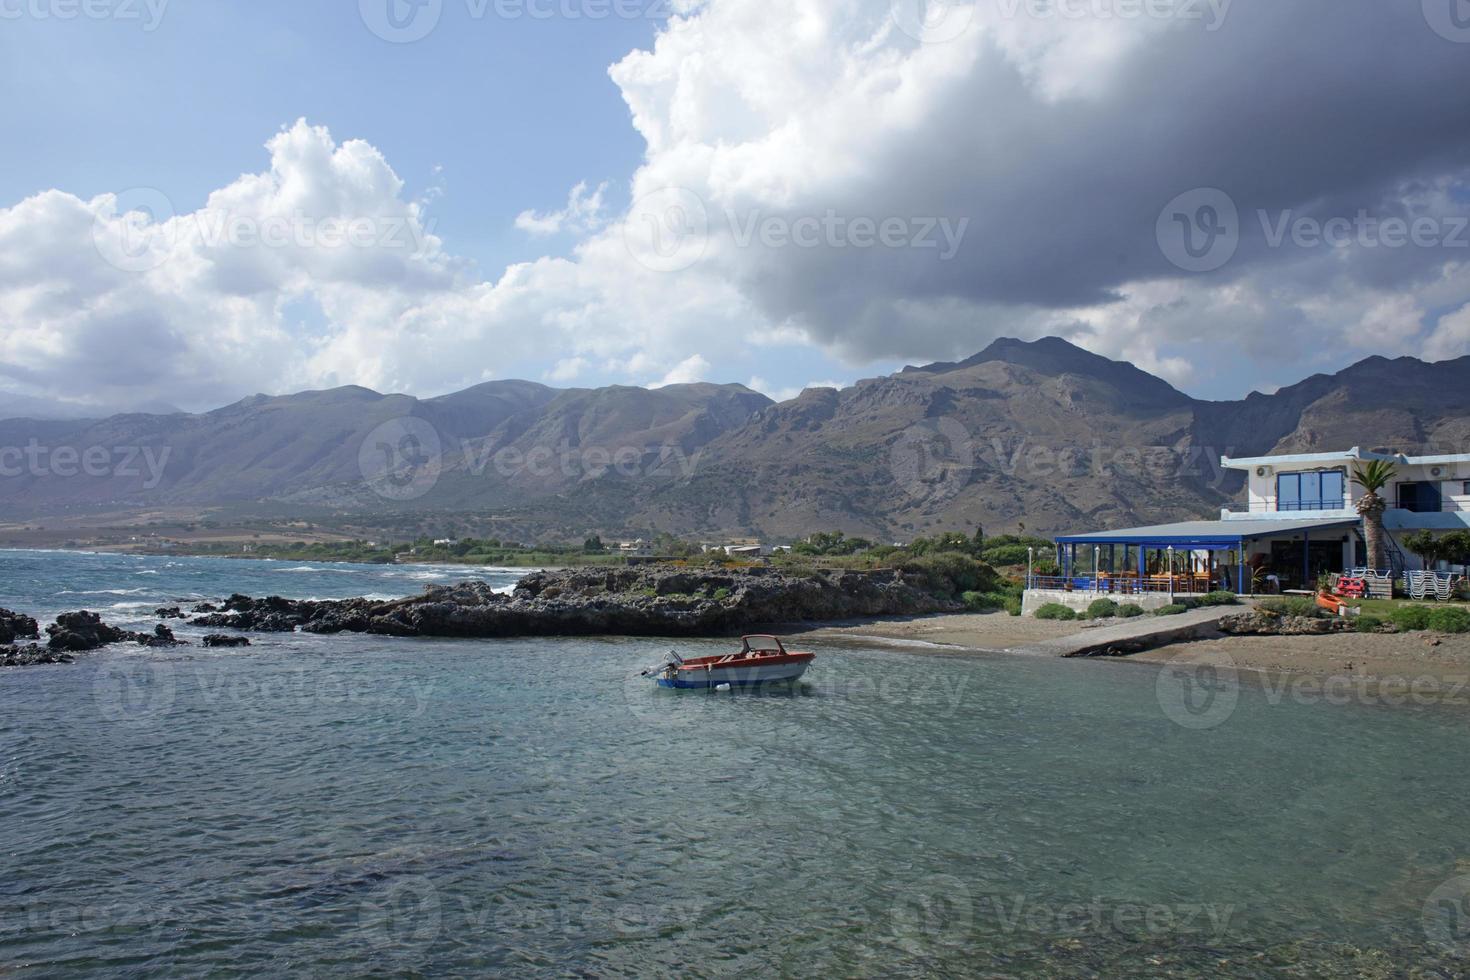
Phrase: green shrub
[1369,624]
[1293,606]
[1448,619]
[1175,610]
[1220,599]
[1013,605]
[1055,610]
[1411,617]
[987,601]
[1130,611]
[721,594]
[1102,609]
[951,574]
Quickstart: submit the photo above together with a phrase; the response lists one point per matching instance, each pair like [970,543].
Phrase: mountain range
[1038,435]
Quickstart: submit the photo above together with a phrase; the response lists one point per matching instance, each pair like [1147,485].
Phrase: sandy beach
[1429,667]
[972,631]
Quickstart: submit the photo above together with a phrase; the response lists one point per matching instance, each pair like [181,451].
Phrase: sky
[204,200]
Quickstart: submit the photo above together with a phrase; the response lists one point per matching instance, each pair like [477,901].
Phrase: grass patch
[1219,599]
[1368,624]
[1293,606]
[1449,619]
[1175,610]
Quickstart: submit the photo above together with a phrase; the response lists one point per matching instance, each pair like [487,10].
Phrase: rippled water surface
[347,805]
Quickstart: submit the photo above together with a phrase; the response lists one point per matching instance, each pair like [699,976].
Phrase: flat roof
[1345,456]
[1205,534]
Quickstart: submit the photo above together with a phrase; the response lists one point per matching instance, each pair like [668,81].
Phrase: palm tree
[1373,476]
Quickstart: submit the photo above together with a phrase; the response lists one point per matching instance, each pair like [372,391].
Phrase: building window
[1419,497]
[1466,489]
[1310,491]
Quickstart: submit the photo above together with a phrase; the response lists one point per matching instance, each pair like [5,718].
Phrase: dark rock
[220,640]
[206,607]
[31,655]
[169,612]
[162,637]
[650,600]
[14,626]
[80,631]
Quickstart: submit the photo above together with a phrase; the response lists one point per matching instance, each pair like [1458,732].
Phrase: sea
[358,805]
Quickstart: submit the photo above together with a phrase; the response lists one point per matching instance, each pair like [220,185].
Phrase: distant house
[635,549]
[446,542]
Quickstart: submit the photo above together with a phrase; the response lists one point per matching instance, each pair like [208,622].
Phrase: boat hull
[736,676]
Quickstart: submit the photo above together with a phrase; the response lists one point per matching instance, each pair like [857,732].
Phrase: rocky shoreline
[641,601]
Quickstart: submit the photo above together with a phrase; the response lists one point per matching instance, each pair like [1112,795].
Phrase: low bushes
[950,574]
[1055,610]
[1219,599]
[1102,609]
[1130,611]
[992,602]
[1448,619]
[1174,610]
[1368,624]
[1411,617]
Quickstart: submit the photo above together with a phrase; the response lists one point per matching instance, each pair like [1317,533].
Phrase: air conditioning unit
[1264,471]
[1437,472]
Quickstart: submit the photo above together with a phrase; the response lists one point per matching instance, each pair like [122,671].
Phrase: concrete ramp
[1134,635]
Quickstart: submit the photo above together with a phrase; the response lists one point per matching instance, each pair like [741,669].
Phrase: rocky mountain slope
[1043,434]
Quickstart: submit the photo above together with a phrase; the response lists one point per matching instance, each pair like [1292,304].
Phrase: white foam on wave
[313,568]
[105,592]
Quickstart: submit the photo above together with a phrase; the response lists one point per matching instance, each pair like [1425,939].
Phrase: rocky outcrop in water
[14,626]
[646,600]
[221,640]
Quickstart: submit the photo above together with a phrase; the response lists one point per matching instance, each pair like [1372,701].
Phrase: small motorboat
[762,659]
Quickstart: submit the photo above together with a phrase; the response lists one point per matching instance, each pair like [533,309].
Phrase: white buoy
[722,687]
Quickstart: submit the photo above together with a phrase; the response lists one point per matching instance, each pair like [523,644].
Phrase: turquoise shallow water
[350,805]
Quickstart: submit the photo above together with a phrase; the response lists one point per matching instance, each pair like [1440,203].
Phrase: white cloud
[1059,140]
[691,369]
[582,214]
[1451,337]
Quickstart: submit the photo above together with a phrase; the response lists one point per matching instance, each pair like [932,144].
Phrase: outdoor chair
[1444,587]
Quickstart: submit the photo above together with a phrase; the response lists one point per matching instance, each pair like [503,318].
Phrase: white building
[1300,522]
